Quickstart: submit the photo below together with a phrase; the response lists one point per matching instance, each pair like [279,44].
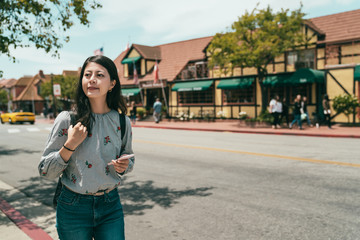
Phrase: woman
[327,111]
[89,205]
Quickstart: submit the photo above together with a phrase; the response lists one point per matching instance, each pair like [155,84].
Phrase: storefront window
[196,97]
[273,91]
[131,69]
[239,96]
[302,89]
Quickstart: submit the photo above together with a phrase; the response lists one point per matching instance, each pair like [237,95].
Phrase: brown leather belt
[98,193]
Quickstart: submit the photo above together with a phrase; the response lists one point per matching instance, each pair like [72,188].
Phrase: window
[136,99]
[278,90]
[131,69]
[301,59]
[302,89]
[239,96]
[194,71]
[197,97]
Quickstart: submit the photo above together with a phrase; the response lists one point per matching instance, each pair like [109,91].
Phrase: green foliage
[41,23]
[3,97]
[257,38]
[67,84]
[265,116]
[140,111]
[346,104]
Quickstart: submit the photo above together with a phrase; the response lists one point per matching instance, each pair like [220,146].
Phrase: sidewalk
[20,218]
[234,126]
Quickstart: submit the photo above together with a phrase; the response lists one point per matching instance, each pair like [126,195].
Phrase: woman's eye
[87,74]
[100,75]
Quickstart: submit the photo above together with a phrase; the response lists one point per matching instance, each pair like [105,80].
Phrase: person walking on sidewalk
[275,108]
[82,154]
[157,110]
[327,111]
[304,110]
[133,112]
[297,112]
[285,112]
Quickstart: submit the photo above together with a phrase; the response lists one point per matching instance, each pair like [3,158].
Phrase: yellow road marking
[254,154]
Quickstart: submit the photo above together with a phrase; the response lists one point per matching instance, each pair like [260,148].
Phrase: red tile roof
[7,83]
[174,57]
[340,27]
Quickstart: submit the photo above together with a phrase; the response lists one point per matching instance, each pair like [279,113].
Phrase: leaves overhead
[256,38]
[41,23]
[67,84]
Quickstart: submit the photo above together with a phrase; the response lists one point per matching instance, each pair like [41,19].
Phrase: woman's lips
[92,88]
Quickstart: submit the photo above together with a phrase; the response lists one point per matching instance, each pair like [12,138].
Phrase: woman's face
[96,81]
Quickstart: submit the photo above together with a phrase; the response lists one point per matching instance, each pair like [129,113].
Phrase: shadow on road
[5,151]
[136,196]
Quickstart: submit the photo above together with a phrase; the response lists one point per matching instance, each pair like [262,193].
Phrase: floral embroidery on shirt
[89,135]
[43,173]
[73,178]
[117,156]
[118,129]
[107,140]
[89,165]
[107,170]
[63,132]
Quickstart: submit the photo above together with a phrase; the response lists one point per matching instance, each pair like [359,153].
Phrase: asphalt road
[208,185]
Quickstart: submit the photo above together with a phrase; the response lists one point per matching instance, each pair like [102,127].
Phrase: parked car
[18,117]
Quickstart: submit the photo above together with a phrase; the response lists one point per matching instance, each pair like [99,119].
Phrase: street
[210,185]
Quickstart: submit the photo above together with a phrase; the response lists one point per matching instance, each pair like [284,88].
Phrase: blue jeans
[297,118]
[84,217]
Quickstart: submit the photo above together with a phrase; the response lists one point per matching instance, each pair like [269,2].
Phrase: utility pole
[53,96]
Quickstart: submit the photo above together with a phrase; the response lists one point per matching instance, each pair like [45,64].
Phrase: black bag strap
[122,129]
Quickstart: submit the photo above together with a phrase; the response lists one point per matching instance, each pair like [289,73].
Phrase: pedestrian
[157,110]
[297,112]
[82,154]
[285,112]
[304,111]
[327,111]
[275,108]
[133,112]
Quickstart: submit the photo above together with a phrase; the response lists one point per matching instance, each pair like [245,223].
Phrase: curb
[255,132]
[24,224]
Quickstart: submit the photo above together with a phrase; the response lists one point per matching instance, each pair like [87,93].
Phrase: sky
[151,23]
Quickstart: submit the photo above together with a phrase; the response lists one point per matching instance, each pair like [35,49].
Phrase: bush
[346,104]
[265,116]
[140,111]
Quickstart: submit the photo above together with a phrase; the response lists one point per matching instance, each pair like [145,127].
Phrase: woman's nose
[92,78]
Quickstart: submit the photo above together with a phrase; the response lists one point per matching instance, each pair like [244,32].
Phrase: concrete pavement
[15,225]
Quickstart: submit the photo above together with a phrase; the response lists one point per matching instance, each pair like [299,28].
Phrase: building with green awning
[306,75]
[235,83]
[357,73]
[276,80]
[192,86]
[130,92]
[130,60]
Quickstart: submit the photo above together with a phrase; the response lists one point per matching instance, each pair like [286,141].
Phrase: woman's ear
[113,83]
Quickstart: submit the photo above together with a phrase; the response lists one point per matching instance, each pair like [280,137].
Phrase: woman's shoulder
[62,117]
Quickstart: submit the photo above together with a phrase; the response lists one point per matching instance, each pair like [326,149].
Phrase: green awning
[276,80]
[235,83]
[192,86]
[130,60]
[306,75]
[130,92]
[357,73]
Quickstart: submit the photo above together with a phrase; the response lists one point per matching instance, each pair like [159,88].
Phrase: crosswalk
[27,129]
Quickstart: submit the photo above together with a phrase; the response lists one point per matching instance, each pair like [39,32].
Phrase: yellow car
[18,117]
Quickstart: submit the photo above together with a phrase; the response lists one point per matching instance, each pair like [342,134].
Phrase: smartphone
[122,158]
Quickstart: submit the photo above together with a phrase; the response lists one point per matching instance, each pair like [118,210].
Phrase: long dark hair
[114,99]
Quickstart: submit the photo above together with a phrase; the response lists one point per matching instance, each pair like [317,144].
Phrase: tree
[41,23]
[256,39]
[3,98]
[346,104]
[67,84]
